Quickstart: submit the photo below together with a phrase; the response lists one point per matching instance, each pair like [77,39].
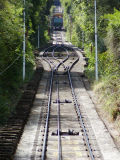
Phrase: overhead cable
[9,66]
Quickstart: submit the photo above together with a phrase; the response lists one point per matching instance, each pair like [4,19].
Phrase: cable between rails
[1,73]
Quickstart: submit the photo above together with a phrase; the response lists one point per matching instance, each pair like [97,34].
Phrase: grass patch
[108,86]
[108,91]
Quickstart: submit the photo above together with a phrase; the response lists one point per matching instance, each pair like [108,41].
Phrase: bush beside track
[10,134]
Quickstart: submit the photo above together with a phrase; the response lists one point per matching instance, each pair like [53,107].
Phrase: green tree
[11,44]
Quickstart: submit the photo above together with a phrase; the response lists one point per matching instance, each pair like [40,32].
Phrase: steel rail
[56,46]
[80,116]
[73,63]
[48,115]
[47,62]
[57,59]
[62,62]
[58,119]
[70,67]
[51,62]
[48,48]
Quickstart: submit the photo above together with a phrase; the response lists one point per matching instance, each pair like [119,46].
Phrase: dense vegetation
[79,23]
[11,44]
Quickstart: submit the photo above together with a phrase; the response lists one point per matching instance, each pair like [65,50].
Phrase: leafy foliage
[79,23]
[113,32]
[11,44]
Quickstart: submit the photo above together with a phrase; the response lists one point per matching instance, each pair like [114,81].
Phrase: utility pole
[24,47]
[96,49]
[50,22]
[38,36]
[70,26]
[83,40]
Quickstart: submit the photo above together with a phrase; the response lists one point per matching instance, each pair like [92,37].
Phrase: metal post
[50,23]
[24,47]
[38,36]
[96,52]
[82,39]
[70,26]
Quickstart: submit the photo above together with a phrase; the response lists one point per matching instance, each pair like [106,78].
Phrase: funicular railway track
[63,129]
[66,132]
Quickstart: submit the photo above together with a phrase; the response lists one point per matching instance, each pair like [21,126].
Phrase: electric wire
[1,73]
